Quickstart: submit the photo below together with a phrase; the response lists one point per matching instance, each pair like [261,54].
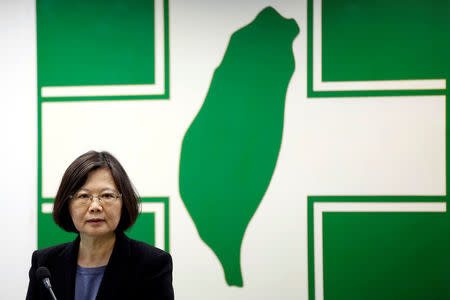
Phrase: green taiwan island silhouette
[230,150]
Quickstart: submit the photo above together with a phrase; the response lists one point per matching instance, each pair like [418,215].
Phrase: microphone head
[42,273]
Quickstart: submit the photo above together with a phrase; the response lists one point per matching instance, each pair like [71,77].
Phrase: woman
[96,200]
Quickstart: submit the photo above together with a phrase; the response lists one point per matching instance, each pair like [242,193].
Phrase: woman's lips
[95,221]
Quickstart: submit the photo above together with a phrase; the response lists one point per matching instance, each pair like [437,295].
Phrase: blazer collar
[68,268]
[112,278]
[114,275]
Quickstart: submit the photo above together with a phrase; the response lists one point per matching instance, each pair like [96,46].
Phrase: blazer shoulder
[144,250]
[151,269]
[45,254]
[150,258]
[151,262]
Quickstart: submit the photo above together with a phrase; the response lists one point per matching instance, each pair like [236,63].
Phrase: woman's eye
[107,195]
[83,196]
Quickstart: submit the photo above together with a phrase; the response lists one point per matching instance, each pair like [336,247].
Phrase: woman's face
[96,219]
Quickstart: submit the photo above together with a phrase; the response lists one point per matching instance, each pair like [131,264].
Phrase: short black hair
[75,177]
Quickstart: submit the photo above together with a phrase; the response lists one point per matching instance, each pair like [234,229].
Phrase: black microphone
[43,274]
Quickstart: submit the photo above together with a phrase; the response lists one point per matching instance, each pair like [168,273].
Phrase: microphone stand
[47,284]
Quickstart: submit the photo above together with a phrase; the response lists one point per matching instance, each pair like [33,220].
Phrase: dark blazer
[135,271]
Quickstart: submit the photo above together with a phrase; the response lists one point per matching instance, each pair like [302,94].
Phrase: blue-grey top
[87,282]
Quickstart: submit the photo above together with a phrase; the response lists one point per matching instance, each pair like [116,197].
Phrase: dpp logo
[307,106]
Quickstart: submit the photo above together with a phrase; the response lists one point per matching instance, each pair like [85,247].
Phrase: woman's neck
[95,251]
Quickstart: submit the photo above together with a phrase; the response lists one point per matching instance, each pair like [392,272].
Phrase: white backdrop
[18,136]
[356,147]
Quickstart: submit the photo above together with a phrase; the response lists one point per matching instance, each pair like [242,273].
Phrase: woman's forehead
[99,179]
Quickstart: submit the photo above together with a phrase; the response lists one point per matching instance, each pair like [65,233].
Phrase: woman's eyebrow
[102,190]
[109,189]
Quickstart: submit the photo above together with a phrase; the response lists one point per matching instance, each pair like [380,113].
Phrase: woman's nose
[95,205]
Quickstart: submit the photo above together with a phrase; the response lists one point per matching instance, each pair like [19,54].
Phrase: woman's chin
[97,233]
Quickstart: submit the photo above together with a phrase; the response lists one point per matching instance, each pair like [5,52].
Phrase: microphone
[43,274]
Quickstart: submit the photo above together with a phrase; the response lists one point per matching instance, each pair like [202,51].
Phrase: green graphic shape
[381,255]
[379,40]
[100,42]
[402,39]
[144,228]
[97,43]
[393,256]
[230,150]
